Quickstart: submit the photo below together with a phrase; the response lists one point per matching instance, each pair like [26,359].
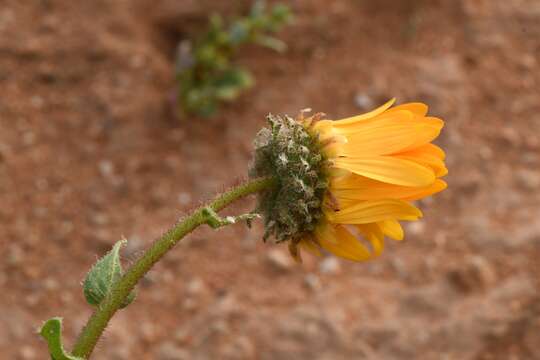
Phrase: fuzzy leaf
[105,272]
[52,332]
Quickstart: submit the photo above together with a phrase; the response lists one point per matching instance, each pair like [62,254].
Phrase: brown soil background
[90,152]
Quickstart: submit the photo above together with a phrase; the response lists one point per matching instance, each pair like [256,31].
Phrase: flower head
[344,185]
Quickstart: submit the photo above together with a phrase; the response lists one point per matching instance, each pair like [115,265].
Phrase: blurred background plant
[205,69]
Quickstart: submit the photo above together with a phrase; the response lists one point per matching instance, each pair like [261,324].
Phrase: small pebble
[170,351]
[184,198]
[330,265]
[363,101]
[279,260]
[312,282]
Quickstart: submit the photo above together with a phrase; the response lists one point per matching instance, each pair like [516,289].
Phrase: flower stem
[113,301]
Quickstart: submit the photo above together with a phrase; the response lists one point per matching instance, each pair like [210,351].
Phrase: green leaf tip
[51,331]
[103,275]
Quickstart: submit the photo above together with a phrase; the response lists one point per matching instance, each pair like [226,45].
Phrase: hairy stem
[113,301]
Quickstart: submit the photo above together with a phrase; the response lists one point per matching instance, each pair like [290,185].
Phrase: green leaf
[258,8]
[271,43]
[281,14]
[51,331]
[231,84]
[105,272]
[239,32]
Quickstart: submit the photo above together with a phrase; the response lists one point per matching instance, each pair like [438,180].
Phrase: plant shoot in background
[206,72]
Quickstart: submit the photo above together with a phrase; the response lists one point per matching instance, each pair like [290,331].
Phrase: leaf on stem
[103,275]
[215,221]
[52,332]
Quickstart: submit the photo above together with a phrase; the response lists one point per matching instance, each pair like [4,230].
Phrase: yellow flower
[378,164]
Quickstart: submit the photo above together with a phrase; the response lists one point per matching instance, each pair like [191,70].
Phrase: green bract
[287,152]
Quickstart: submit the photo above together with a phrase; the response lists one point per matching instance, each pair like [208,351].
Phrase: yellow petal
[433,150]
[339,241]
[388,169]
[438,186]
[373,211]
[369,115]
[418,109]
[324,130]
[392,229]
[310,246]
[388,138]
[374,234]
[395,118]
[354,188]
[424,155]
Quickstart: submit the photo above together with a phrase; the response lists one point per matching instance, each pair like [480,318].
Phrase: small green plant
[206,72]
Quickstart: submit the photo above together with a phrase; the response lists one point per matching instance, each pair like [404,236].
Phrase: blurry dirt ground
[90,152]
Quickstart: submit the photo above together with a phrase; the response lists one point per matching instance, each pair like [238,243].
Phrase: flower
[360,174]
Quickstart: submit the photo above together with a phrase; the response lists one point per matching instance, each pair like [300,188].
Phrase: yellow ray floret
[379,163]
